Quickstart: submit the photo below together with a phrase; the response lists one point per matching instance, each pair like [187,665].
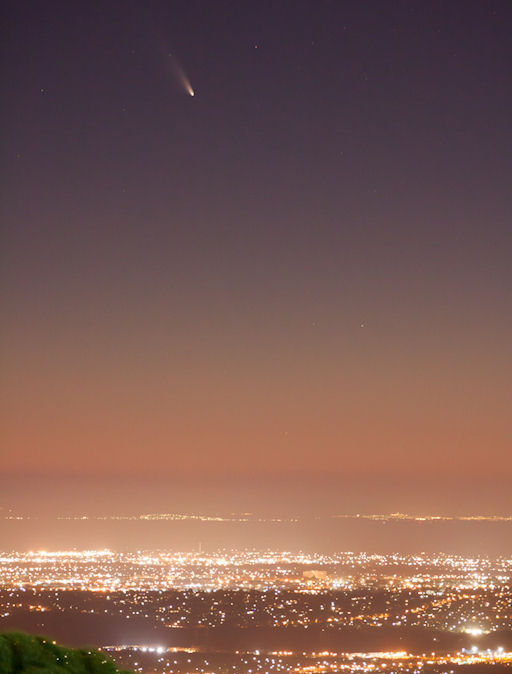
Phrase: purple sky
[299,276]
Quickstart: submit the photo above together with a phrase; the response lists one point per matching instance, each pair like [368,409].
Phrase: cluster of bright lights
[104,570]
[283,589]
[250,517]
[144,658]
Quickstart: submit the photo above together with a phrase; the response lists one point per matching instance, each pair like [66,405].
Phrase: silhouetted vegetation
[22,653]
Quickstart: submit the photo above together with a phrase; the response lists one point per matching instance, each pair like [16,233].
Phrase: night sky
[299,277]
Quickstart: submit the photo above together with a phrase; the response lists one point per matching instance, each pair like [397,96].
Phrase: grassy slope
[26,654]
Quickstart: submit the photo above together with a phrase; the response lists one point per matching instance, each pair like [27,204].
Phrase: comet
[179,74]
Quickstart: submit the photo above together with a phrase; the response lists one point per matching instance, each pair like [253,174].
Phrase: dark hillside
[22,653]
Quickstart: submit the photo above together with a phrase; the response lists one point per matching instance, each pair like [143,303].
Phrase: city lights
[455,606]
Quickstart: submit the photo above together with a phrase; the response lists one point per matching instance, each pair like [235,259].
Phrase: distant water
[322,535]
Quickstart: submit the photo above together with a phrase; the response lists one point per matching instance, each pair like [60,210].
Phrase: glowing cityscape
[256,292]
[268,611]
